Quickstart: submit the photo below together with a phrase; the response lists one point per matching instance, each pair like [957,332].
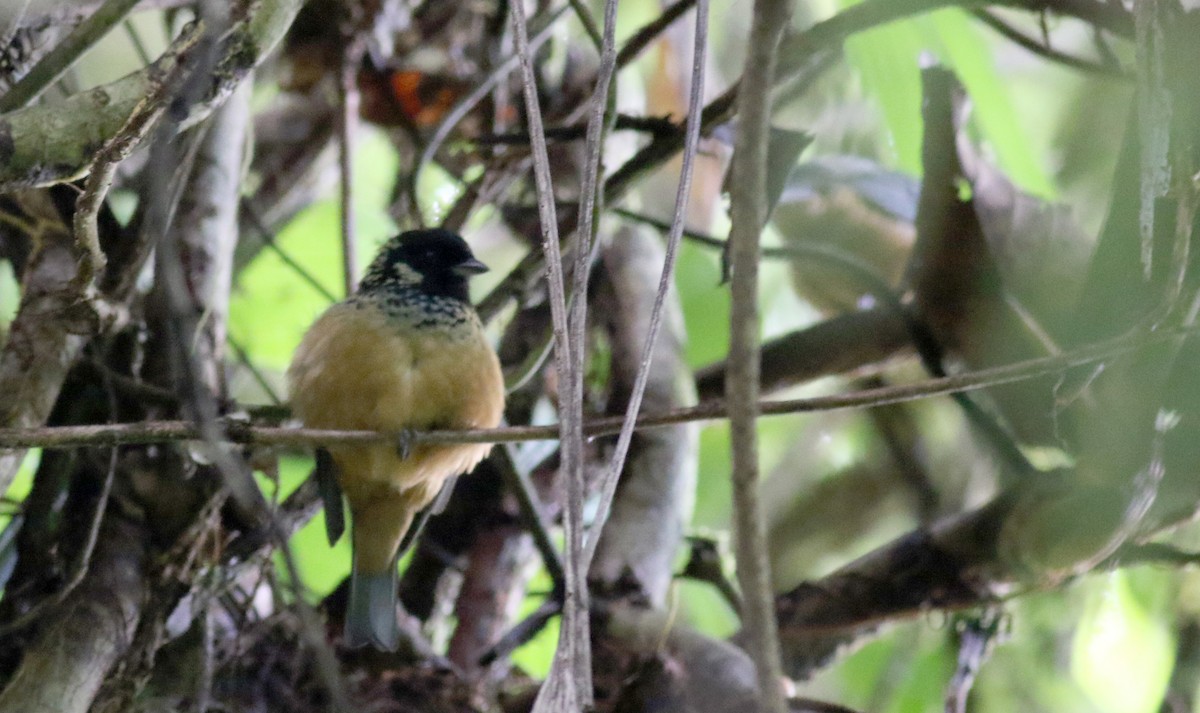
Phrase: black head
[436,262]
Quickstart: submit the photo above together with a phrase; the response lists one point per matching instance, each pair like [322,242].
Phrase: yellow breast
[355,369]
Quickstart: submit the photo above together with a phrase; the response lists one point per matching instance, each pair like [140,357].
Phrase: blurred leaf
[887,60]
[23,481]
[713,494]
[705,610]
[10,524]
[1123,649]
[922,686]
[863,670]
[10,295]
[964,49]
[705,303]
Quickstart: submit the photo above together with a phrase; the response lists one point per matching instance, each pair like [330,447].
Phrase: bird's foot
[404,443]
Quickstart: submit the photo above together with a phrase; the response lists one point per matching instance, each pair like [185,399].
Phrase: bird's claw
[404,444]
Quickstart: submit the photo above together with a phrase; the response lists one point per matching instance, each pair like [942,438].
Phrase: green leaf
[1124,650]
[888,64]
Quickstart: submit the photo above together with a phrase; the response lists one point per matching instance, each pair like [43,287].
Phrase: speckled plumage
[406,352]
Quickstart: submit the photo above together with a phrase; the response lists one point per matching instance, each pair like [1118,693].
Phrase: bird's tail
[371,615]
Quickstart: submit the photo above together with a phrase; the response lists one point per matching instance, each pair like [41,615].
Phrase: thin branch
[104,168]
[522,632]
[255,373]
[476,95]
[516,478]
[748,212]
[347,131]
[312,628]
[652,125]
[802,53]
[584,14]
[867,277]
[256,221]
[55,141]
[568,687]
[236,431]
[691,142]
[1045,50]
[65,53]
[650,32]
[135,39]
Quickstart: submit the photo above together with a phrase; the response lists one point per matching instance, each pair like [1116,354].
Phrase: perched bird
[407,351]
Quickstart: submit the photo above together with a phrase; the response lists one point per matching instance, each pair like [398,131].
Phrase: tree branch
[42,344]
[238,431]
[748,214]
[54,142]
[52,66]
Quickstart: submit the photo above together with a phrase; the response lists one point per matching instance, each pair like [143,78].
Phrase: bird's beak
[470,267]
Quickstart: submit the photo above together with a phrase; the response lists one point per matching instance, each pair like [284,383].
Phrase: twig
[867,277]
[802,52]
[255,372]
[476,95]
[748,212]
[241,432]
[347,130]
[1045,50]
[55,141]
[650,32]
[104,169]
[695,100]
[523,632]
[652,125]
[312,628]
[568,687]
[255,219]
[65,53]
[584,14]
[517,480]
[199,386]
[135,38]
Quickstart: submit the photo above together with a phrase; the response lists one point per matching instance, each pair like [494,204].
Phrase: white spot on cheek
[406,273]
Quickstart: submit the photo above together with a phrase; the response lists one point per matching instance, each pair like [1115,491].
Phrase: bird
[407,351]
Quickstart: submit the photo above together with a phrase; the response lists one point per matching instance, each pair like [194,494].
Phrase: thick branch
[54,142]
[59,60]
[64,669]
[653,499]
